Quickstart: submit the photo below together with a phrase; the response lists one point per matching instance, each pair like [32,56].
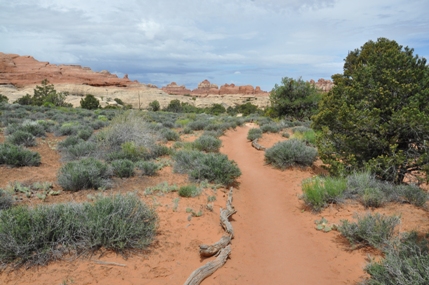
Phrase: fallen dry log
[256,145]
[229,205]
[224,221]
[209,268]
[210,250]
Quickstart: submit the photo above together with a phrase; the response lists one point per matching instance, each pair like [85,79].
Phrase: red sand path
[275,240]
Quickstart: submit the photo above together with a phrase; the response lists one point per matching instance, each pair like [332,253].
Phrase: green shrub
[148,168]
[373,230]
[21,138]
[372,197]
[80,150]
[18,156]
[198,125]
[270,128]
[85,134]
[90,102]
[254,133]
[318,192]
[207,143]
[84,174]
[375,117]
[170,135]
[188,191]
[305,134]
[6,200]
[363,186]
[414,195]
[286,135]
[154,106]
[69,141]
[123,168]
[405,263]
[213,167]
[289,153]
[35,236]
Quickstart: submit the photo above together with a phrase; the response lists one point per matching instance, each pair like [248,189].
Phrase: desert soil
[275,238]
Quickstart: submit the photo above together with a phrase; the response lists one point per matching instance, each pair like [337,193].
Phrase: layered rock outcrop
[323,84]
[206,88]
[25,70]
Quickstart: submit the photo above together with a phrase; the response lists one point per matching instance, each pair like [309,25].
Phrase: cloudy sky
[225,41]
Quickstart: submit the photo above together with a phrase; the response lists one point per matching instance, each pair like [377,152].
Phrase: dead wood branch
[209,268]
[229,205]
[224,215]
[256,145]
[209,250]
[108,263]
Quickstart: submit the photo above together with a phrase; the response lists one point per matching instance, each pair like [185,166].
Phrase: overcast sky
[253,42]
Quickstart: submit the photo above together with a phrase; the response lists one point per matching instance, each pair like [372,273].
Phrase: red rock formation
[322,84]
[175,89]
[25,70]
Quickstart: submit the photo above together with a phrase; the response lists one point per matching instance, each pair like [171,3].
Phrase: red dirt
[275,238]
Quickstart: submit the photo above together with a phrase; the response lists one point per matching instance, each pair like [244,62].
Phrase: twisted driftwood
[209,250]
[256,145]
[209,268]
[221,248]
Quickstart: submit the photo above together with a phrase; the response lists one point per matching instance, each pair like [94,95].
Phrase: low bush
[270,128]
[6,200]
[373,230]
[213,167]
[188,191]
[35,236]
[414,195]
[31,127]
[85,134]
[197,125]
[148,168]
[304,133]
[207,143]
[84,174]
[21,138]
[318,192]
[403,264]
[69,141]
[80,150]
[254,133]
[213,133]
[18,156]
[289,153]
[123,168]
[170,135]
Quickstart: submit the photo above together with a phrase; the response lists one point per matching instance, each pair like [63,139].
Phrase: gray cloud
[187,41]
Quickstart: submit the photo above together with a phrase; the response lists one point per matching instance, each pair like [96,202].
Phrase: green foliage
[79,150]
[377,114]
[188,191]
[35,236]
[148,168]
[373,230]
[123,168]
[84,174]
[6,200]
[270,128]
[21,138]
[18,156]
[3,99]
[304,133]
[45,95]
[213,167]
[119,101]
[207,143]
[174,106]
[216,109]
[294,98]
[254,133]
[154,106]
[403,264]
[290,153]
[90,102]
[170,135]
[318,192]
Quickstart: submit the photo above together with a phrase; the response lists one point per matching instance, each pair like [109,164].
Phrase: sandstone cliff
[21,71]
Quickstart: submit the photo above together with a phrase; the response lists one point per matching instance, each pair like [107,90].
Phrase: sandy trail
[275,240]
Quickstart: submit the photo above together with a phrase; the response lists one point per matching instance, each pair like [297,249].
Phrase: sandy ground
[275,238]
